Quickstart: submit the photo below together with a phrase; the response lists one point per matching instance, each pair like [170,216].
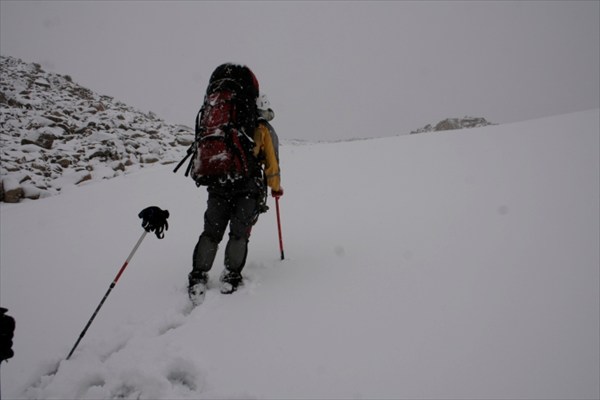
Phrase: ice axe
[153,220]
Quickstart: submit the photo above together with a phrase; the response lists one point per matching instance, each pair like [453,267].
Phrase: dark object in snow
[7,330]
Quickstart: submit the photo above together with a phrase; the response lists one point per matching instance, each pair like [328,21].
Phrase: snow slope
[456,265]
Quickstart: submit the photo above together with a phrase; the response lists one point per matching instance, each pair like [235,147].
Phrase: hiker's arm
[270,159]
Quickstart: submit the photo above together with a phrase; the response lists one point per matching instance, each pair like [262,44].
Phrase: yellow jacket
[267,154]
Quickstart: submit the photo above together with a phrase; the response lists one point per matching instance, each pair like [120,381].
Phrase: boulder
[11,191]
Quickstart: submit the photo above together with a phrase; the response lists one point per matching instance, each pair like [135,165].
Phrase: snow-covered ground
[462,264]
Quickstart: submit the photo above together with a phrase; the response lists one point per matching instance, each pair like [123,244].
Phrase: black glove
[7,329]
[155,219]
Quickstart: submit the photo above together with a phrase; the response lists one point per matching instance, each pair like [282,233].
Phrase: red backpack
[223,149]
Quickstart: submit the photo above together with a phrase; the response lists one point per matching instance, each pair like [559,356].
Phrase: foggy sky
[332,70]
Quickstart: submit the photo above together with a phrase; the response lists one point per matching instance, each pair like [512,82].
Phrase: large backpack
[223,148]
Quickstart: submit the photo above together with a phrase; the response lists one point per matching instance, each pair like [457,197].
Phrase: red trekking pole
[153,219]
[112,285]
[279,226]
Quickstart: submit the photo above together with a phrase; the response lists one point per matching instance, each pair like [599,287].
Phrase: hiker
[244,145]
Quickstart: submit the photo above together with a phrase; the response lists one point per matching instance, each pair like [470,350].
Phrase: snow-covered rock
[55,133]
[454,123]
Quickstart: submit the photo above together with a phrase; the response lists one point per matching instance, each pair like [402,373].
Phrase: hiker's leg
[216,218]
[242,218]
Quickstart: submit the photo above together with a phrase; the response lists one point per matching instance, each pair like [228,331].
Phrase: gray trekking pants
[238,210]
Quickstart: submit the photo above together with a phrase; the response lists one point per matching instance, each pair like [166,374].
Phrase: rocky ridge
[454,123]
[56,134]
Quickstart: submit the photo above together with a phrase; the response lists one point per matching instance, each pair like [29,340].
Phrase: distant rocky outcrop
[55,133]
[454,123]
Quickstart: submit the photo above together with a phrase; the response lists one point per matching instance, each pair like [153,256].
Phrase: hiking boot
[230,281]
[197,286]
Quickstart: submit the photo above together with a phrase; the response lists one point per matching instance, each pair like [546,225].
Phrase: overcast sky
[333,70]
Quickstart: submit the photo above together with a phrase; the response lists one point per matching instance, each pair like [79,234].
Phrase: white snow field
[462,264]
